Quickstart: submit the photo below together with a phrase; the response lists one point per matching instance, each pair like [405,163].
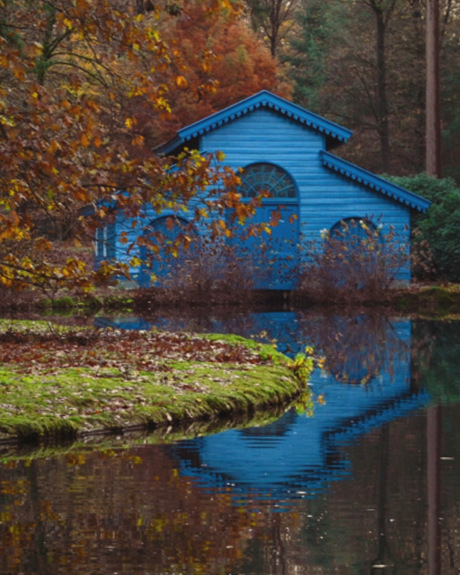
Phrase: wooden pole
[433,120]
[433,490]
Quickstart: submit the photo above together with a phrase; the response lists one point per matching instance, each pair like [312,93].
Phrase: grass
[58,388]
[430,300]
[162,434]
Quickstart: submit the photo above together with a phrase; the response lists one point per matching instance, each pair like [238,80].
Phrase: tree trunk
[275,26]
[382,99]
[433,122]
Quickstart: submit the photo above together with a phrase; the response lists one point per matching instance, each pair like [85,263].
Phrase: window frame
[272,198]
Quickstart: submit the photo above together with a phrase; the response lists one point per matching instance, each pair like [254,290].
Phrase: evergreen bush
[436,234]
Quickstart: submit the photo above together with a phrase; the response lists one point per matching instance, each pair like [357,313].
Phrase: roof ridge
[261,99]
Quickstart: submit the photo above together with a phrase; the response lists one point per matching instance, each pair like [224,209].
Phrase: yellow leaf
[84,140]
[53,147]
[181,81]
[7,121]
[220,156]
[163,104]
[138,141]
[19,74]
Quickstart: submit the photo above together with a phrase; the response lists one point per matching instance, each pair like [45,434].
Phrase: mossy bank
[424,299]
[61,382]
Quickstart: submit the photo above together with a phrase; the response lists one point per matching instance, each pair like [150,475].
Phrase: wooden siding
[325,197]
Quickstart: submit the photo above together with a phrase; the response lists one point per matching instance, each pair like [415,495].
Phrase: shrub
[353,262]
[210,271]
[436,234]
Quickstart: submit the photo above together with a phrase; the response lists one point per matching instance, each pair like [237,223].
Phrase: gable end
[335,134]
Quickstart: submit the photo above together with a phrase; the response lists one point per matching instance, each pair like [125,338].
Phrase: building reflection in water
[353,489]
[365,384]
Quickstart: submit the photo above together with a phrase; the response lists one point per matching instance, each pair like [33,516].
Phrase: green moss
[119,303]
[88,303]
[61,303]
[22,325]
[74,401]
[114,444]
[432,301]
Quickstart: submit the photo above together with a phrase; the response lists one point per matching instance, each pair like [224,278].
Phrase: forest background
[89,88]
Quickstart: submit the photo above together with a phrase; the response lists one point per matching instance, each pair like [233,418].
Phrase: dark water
[370,483]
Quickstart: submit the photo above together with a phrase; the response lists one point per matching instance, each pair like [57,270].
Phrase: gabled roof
[263,99]
[374,182]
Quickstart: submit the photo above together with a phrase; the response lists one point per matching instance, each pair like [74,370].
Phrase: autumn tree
[69,74]
[225,61]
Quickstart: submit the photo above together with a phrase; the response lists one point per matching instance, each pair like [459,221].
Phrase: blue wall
[325,197]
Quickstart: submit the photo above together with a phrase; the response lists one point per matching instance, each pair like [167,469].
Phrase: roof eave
[374,182]
[169,146]
[264,99]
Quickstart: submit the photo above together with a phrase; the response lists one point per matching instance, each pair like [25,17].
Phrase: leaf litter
[113,378]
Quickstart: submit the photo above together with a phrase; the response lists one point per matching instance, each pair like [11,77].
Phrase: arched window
[354,229]
[354,255]
[165,229]
[267,179]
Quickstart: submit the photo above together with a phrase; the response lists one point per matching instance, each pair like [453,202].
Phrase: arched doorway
[272,255]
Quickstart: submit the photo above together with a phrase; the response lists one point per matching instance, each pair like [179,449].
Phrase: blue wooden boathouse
[286,151]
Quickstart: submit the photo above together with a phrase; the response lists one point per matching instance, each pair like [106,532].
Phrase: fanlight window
[169,226]
[353,229]
[267,180]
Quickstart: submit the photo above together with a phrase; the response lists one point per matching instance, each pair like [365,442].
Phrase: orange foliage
[221,58]
[72,76]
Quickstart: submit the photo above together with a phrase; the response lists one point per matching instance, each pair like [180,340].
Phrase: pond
[366,480]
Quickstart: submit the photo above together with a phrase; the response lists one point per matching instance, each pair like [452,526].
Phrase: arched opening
[268,180]
[354,253]
[355,230]
[270,254]
[163,248]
